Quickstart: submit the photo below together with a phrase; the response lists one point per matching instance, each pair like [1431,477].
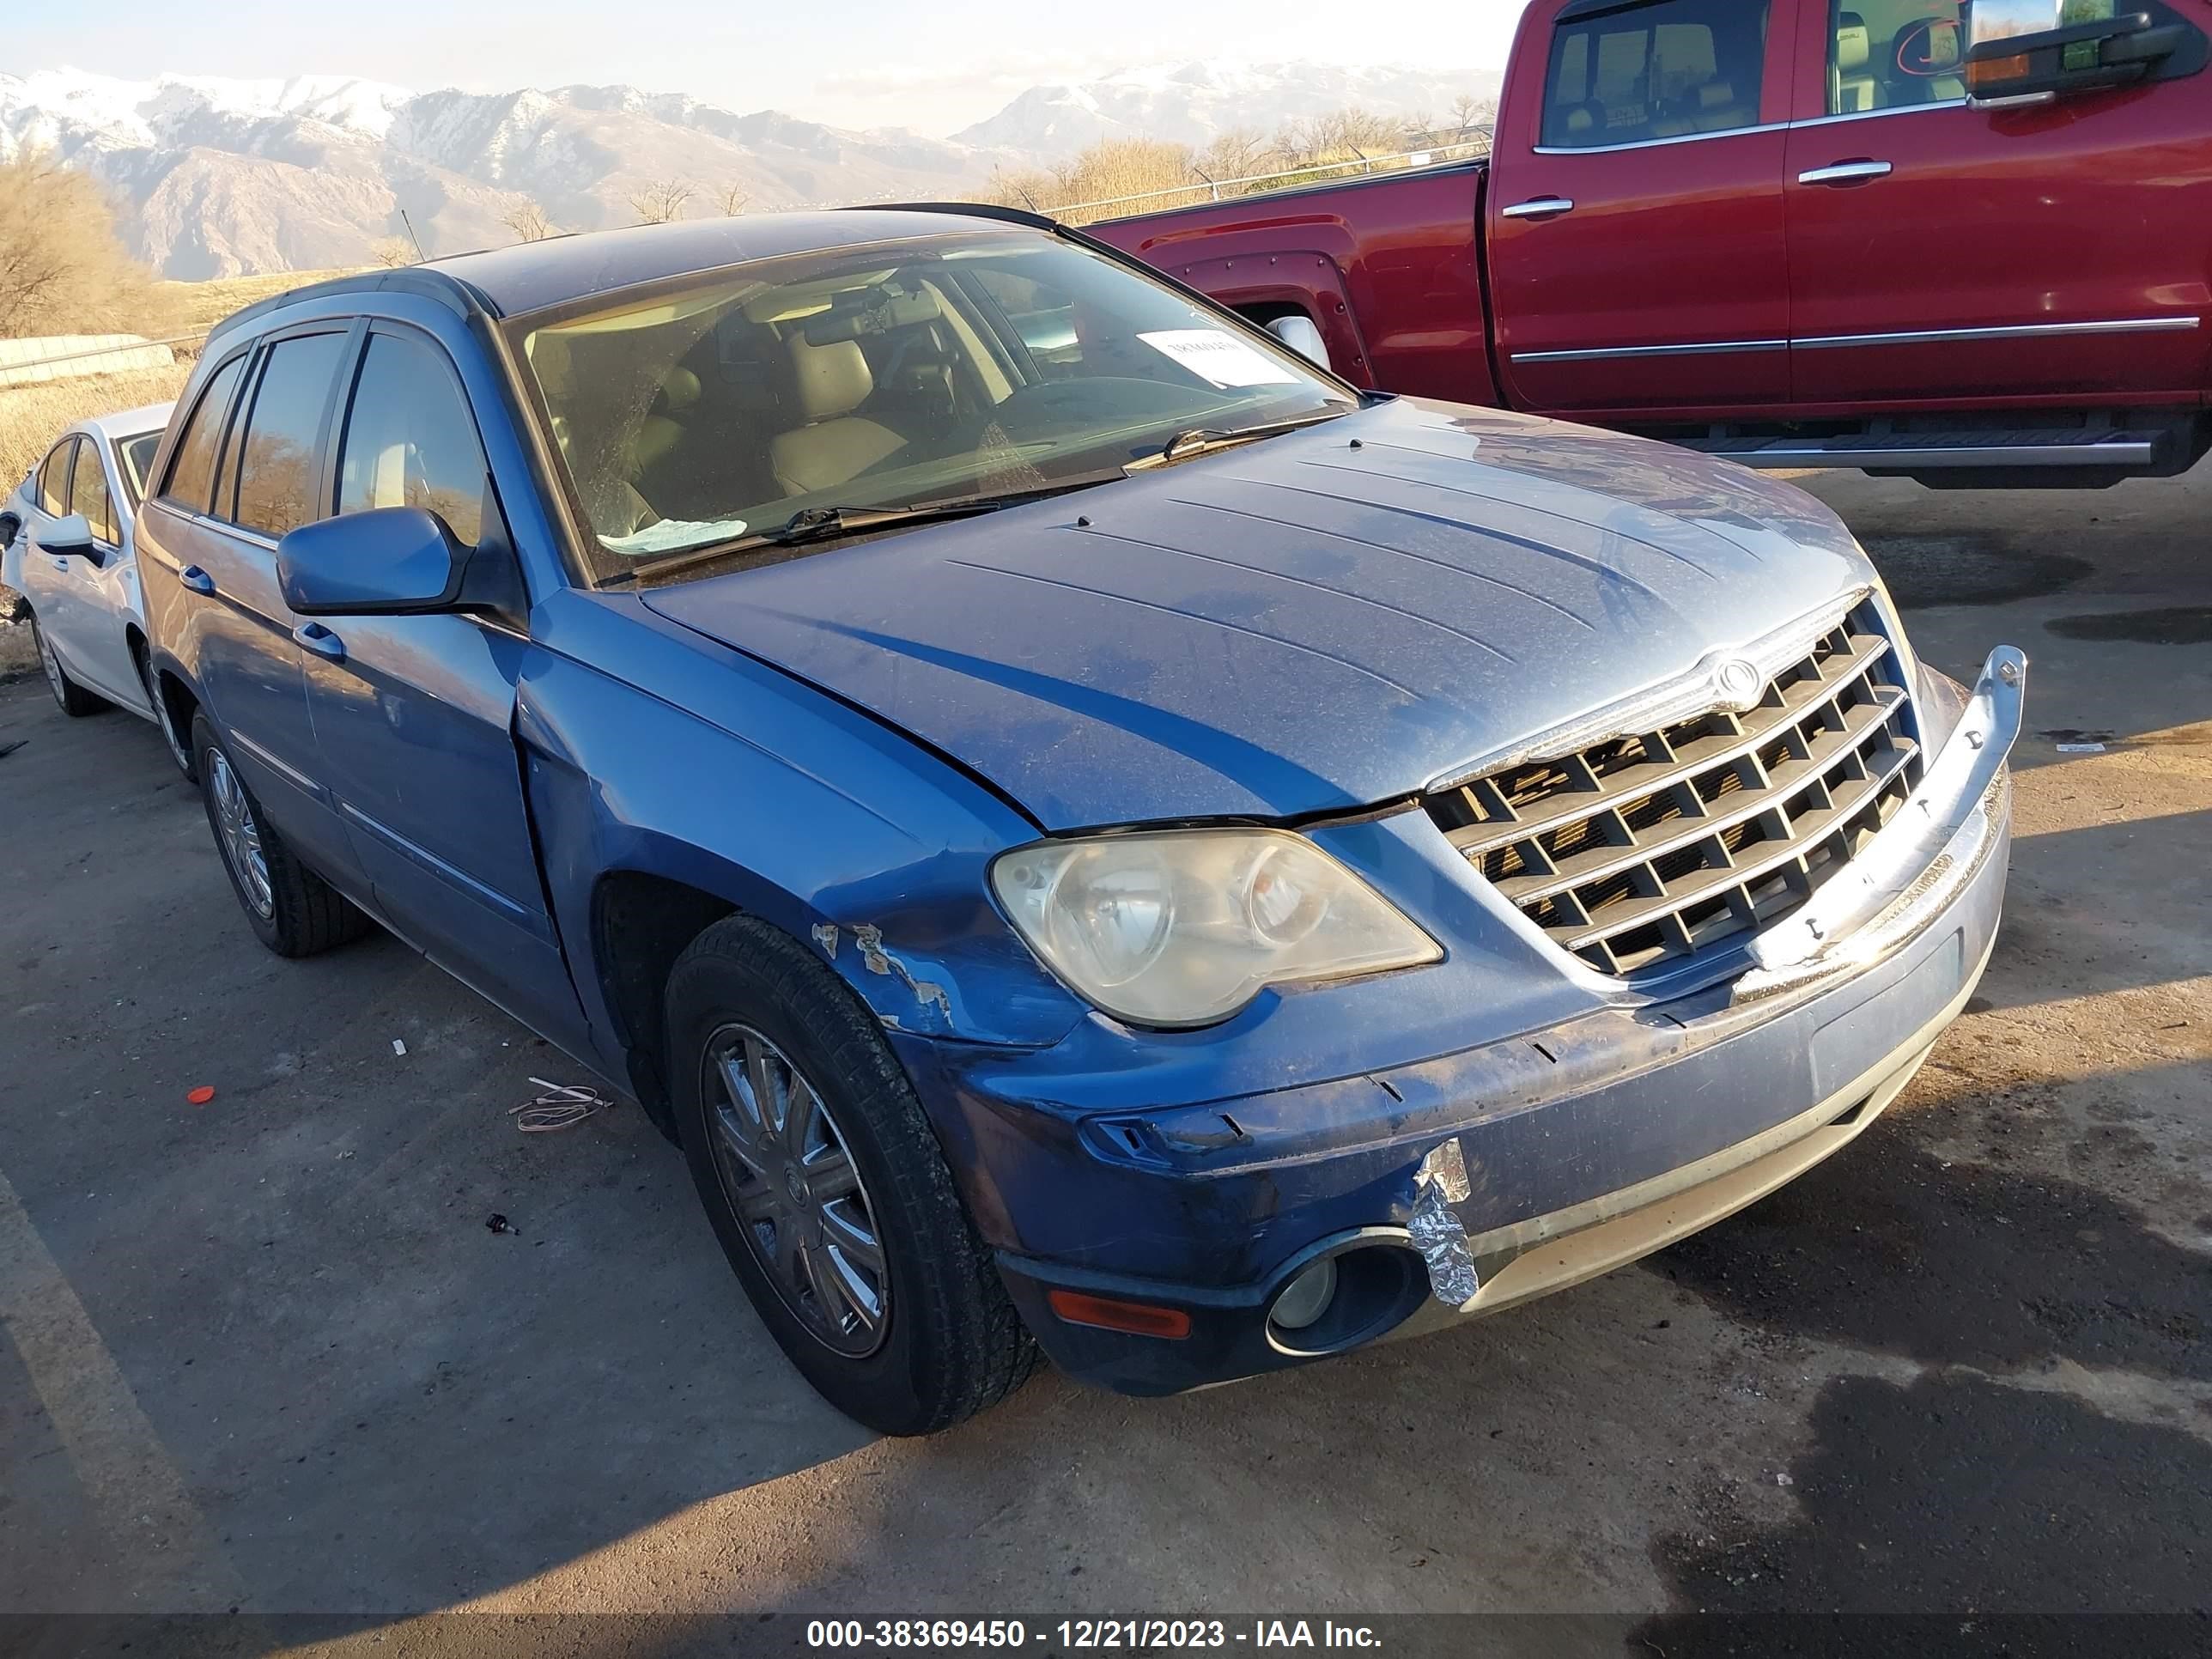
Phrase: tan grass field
[30,416]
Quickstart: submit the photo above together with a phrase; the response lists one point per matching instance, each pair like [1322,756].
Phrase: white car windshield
[966,368]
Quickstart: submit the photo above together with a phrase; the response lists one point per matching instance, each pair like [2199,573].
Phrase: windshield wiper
[824,523]
[1203,439]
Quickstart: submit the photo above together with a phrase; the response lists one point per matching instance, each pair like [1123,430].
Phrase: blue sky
[933,64]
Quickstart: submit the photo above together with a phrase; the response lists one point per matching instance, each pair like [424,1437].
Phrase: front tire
[291,909]
[828,1190]
[75,699]
[180,751]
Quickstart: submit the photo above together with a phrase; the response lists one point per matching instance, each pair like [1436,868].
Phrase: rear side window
[89,493]
[53,479]
[410,439]
[279,464]
[136,456]
[1671,69]
[191,473]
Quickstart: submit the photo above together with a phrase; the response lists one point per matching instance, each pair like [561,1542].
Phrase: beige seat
[1856,90]
[834,445]
[663,429]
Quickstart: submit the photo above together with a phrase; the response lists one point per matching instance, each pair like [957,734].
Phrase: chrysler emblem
[1738,684]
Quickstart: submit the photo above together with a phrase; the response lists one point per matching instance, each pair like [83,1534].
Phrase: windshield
[968,367]
[136,455]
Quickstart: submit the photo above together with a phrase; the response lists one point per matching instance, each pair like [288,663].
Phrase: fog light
[1306,1297]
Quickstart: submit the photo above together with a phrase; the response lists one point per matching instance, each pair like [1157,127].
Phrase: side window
[1666,69]
[1891,54]
[192,470]
[279,466]
[1043,316]
[410,439]
[89,493]
[53,479]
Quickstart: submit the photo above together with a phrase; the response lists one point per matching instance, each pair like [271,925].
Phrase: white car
[70,551]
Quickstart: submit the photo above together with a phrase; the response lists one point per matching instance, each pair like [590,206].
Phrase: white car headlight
[1184,927]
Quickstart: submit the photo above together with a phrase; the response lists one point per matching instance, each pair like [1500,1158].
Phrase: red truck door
[1638,261]
[2059,251]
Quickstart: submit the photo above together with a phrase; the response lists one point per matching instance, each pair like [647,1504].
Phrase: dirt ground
[265,1354]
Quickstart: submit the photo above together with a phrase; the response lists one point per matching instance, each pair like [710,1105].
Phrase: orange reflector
[1141,1318]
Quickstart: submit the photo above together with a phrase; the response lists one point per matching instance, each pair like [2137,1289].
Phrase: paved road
[265,1353]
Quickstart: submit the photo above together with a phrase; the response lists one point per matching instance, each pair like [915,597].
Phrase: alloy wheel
[239,835]
[791,1180]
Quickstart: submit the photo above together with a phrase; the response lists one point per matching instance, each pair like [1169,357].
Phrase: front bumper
[1523,1165]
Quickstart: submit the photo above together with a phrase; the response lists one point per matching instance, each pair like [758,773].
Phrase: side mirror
[387,562]
[71,533]
[1299,333]
[2023,51]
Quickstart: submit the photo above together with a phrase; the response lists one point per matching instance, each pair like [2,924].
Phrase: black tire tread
[990,1352]
[311,916]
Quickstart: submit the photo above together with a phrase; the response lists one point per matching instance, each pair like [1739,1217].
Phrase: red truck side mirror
[2022,51]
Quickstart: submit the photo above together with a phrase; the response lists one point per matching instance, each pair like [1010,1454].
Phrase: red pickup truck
[1970,244]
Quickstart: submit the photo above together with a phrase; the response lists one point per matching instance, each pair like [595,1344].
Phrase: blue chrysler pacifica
[1094,836]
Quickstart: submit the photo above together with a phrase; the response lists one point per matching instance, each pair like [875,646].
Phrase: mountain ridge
[219,177]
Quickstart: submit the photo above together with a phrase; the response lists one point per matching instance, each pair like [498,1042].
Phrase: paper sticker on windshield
[1217,358]
[667,534]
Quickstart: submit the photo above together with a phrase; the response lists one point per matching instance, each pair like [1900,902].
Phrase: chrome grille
[1644,849]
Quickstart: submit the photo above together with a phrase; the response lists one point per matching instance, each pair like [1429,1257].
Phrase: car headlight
[1184,927]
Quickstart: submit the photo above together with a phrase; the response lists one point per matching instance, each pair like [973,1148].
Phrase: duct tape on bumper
[1437,1232]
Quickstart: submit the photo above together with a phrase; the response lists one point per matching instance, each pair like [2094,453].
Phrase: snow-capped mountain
[220,177]
[1193,103]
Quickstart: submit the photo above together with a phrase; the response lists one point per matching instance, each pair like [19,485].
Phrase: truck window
[1671,69]
[1891,54]
[279,462]
[409,439]
[192,469]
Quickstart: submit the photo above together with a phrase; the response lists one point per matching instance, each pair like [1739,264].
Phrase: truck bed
[1401,247]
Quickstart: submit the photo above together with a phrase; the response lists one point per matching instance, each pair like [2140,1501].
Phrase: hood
[1319,621]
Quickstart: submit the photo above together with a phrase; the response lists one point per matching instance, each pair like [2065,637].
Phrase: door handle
[196,579]
[1846,173]
[320,641]
[1539,206]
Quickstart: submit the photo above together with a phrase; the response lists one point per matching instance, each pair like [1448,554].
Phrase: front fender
[677,758]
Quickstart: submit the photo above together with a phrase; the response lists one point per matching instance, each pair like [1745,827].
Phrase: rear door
[1637,255]
[1939,252]
[232,489]
[414,715]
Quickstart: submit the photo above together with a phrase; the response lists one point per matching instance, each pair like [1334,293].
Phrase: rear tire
[291,909]
[945,1341]
[75,699]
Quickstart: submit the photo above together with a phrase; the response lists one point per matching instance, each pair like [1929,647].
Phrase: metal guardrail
[110,350]
[1361,165]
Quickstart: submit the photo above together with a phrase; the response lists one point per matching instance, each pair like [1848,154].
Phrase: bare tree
[393,250]
[1470,111]
[732,200]
[662,201]
[62,268]
[1237,153]
[528,221]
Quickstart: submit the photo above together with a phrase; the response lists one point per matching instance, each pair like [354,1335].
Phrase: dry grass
[30,416]
[193,308]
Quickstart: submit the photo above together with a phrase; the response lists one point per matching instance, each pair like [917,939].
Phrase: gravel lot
[265,1354]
